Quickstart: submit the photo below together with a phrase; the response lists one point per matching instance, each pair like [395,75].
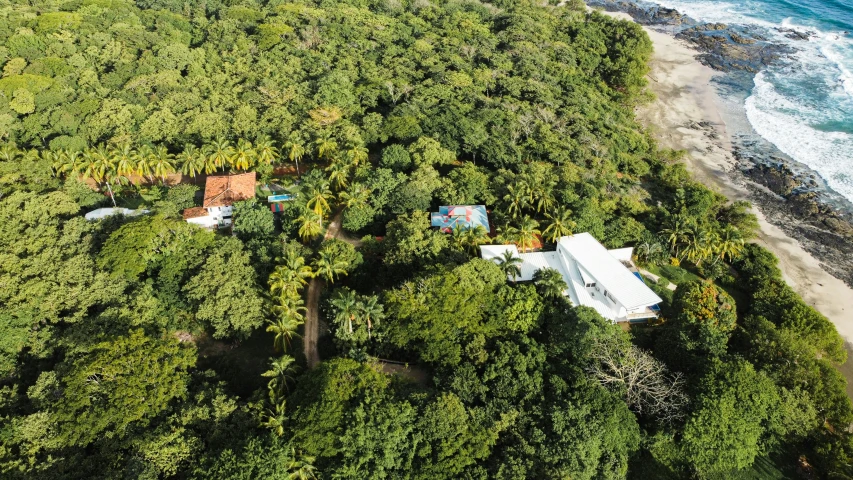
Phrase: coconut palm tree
[338,172]
[517,200]
[296,263]
[9,152]
[318,194]
[193,161]
[347,309]
[355,196]
[243,156]
[219,153]
[371,311]
[549,282]
[162,163]
[300,467]
[527,233]
[510,264]
[700,246]
[327,266]
[356,154]
[295,150]
[284,327]
[543,197]
[283,279]
[275,417]
[730,243]
[288,318]
[676,233]
[469,239]
[560,225]
[279,374]
[266,151]
[310,225]
[144,163]
[326,146]
[125,158]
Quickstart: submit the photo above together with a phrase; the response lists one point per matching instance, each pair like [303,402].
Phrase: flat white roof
[609,273]
[106,212]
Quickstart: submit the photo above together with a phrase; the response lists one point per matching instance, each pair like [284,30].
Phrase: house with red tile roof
[220,193]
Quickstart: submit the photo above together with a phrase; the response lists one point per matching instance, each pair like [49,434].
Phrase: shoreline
[686,115]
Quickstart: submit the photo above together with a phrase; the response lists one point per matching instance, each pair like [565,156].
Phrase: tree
[345,303]
[560,225]
[280,373]
[310,225]
[704,317]
[119,383]
[288,318]
[226,293]
[317,194]
[329,266]
[549,283]
[645,383]
[295,150]
[510,264]
[252,220]
[338,171]
[526,234]
[725,430]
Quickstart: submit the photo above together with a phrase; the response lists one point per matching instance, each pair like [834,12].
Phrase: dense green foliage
[147,347]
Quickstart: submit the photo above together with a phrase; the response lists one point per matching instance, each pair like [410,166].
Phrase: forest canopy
[147,347]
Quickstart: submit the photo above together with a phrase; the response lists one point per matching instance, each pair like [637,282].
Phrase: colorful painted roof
[465,216]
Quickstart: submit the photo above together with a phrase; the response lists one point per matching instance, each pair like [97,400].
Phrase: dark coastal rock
[795,34]
[728,48]
[779,179]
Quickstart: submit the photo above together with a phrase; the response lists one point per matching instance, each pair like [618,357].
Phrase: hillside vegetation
[146,347]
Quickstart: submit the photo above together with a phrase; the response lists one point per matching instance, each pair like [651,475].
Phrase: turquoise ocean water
[803,105]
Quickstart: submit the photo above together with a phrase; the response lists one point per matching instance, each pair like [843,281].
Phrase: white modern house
[220,193]
[595,277]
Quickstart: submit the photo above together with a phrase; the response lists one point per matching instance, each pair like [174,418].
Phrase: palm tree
[730,243]
[549,282]
[543,197]
[326,265]
[243,156]
[371,310]
[346,306]
[283,279]
[274,419]
[677,232]
[356,154]
[310,225]
[192,160]
[326,146]
[266,151]
[296,263]
[700,246]
[162,163]
[516,199]
[300,467]
[355,196]
[527,233]
[279,374]
[125,158]
[288,318]
[66,162]
[144,163]
[470,238]
[318,195]
[9,152]
[338,172]
[96,165]
[510,264]
[648,251]
[560,225]
[296,150]
[220,153]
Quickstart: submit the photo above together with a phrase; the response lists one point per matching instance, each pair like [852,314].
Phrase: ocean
[802,105]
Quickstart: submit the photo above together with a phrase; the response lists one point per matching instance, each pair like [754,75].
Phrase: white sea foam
[785,123]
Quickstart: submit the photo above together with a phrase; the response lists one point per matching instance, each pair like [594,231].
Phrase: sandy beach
[686,116]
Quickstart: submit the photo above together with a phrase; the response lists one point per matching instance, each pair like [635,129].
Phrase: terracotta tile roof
[224,190]
[194,212]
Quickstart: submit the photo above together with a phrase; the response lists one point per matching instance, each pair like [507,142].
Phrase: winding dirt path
[312,304]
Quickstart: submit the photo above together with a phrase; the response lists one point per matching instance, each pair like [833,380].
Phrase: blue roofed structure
[449,217]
